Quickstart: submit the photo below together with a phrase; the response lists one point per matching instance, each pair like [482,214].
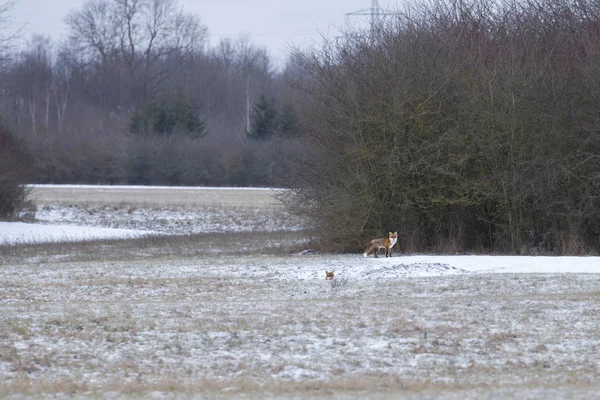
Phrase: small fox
[384,243]
[328,275]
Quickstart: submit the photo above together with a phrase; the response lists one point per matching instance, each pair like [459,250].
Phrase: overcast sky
[275,24]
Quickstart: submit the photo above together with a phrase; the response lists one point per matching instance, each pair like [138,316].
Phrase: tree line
[465,125]
[136,96]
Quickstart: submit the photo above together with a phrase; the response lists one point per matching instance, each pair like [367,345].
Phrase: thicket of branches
[14,169]
[464,124]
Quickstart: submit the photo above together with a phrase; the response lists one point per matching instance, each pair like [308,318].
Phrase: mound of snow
[509,264]
[357,268]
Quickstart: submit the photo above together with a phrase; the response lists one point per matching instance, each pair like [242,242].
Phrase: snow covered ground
[256,325]
[490,264]
[155,196]
[228,315]
[19,233]
[85,212]
[179,220]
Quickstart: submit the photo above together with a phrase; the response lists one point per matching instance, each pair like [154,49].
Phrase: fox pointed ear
[390,234]
[395,233]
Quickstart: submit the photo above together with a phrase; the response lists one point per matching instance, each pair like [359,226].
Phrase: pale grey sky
[275,24]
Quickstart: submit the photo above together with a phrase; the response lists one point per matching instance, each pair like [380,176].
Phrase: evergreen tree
[288,121]
[168,117]
[263,123]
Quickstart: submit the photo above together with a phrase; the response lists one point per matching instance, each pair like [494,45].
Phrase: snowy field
[83,212]
[20,233]
[240,313]
[154,196]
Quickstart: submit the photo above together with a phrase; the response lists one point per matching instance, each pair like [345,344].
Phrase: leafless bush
[13,175]
[466,125]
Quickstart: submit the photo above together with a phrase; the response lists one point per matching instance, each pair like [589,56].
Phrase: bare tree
[62,82]
[30,84]
[249,73]
[8,34]
[14,164]
[8,31]
[136,34]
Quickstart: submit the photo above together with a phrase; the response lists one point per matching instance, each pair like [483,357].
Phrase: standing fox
[384,243]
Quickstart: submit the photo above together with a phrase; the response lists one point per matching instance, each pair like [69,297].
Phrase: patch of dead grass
[158,246]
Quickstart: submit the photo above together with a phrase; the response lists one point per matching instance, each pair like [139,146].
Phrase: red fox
[328,275]
[384,243]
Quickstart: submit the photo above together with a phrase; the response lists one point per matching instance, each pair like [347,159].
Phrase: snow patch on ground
[451,264]
[64,223]
[172,220]
[143,187]
[20,233]
[356,268]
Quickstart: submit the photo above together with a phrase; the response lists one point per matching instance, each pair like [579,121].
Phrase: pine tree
[263,123]
[167,117]
[288,121]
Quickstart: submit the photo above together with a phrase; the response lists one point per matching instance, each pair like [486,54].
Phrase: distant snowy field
[21,233]
[155,196]
[88,212]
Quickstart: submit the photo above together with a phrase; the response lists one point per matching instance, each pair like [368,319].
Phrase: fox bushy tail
[368,250]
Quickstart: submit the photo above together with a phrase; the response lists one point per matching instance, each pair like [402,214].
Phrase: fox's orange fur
[328,275]
[383,243]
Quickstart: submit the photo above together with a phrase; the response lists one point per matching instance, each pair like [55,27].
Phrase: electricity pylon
[375,12]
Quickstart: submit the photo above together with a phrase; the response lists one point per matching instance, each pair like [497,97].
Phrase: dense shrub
[466,125]
[14,168]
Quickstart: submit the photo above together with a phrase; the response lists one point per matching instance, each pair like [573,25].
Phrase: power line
[375,12]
